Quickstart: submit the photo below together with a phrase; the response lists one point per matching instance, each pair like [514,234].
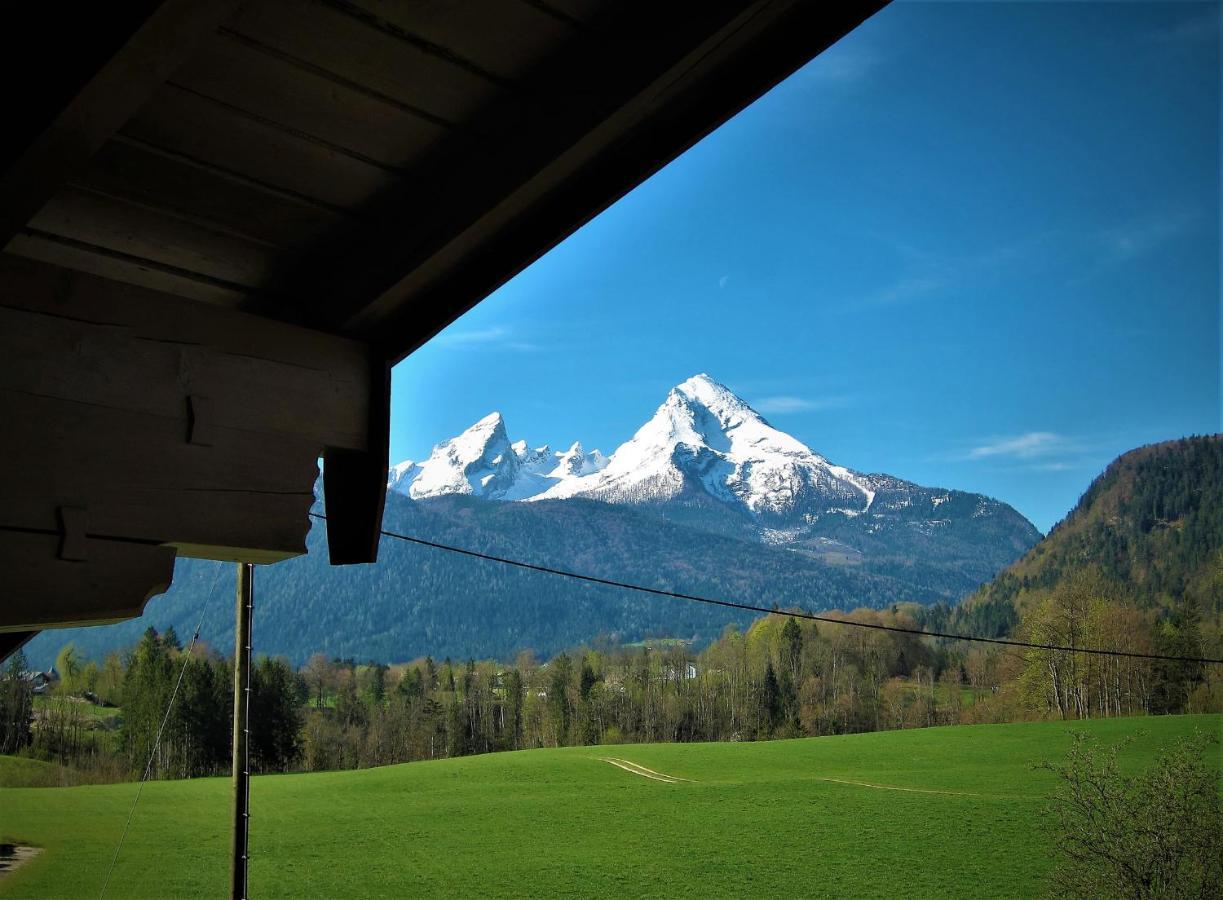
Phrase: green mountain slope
[1153,521]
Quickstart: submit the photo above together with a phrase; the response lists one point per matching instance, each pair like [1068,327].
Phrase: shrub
[1155,834]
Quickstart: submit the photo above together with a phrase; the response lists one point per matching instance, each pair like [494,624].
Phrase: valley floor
[939,812]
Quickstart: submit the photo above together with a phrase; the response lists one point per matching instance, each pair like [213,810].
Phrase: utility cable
[161,729]
[607,582]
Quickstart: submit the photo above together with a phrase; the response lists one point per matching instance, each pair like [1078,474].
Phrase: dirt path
[636,769]
[892,787]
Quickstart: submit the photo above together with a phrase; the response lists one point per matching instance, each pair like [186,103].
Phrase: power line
[164,719]
[731,604]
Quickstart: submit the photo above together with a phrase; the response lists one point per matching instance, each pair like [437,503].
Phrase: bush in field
[1155,834]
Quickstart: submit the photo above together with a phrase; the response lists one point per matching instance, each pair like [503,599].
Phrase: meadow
[949,812]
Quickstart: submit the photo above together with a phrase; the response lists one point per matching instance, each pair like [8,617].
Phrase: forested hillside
[1153,522]
[419,601]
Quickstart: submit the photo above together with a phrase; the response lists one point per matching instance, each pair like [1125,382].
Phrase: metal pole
[241,754]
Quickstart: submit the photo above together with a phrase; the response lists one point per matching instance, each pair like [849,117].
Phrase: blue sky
[975,245]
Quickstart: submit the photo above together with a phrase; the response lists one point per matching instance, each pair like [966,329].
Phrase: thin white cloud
[496,336]
[926,274]
[722,281]
[844,64]
[903,290]
[1055,467]
[787,404]
[1031,445]
[1124,244]
[475,336]
[1138,238]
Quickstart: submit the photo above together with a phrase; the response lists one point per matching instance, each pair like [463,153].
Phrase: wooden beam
[308,101]
[586,128]
[113,583]
[139,426]
[354,481]
[189,124]
[139,174]
[97,260]
[106,81]
[709,86]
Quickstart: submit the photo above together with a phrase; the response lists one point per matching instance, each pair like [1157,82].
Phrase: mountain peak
[401,475]
[478,461]
[576,462]
[705,440]
[701,379]
[491,422]
[712,395]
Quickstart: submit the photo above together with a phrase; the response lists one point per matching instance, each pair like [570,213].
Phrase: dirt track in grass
[641,770]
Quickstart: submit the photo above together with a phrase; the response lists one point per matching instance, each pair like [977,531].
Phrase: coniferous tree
[770,698]
[792,647]
[16,706]
[275,718]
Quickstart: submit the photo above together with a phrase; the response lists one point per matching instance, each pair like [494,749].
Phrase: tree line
[780,677]
[104,720]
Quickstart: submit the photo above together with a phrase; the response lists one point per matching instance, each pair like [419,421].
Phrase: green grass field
[89,710]
[755,820]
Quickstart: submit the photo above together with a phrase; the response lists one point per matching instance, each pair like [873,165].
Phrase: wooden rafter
[450,235]
[137,50]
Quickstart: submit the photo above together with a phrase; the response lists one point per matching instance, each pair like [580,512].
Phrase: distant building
[42,682]
[684,673]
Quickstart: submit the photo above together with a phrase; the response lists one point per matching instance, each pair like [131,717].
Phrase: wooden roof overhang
[223,222]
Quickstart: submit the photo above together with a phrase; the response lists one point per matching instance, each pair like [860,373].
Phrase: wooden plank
[106,98]
[322,36]
[94,260]
[155,316]
[507,39]
[632,102]
[208,196]
[228,526]
[302,99]
[114,583]
[110,367]
[585,12]
[138,479]
[169,422]
[187,123]
[76,451]
[159,237]
[363,278]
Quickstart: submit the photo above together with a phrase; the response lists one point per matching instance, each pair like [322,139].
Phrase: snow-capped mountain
[704,439]
[707,498]
[707,458]
[482,462]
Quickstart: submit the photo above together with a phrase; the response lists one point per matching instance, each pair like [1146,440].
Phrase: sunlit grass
[757,820]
